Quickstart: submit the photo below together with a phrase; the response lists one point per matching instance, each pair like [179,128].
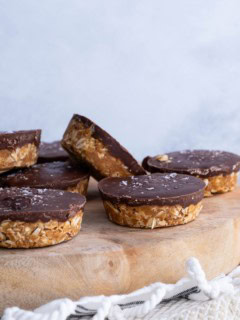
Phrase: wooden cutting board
[108,259]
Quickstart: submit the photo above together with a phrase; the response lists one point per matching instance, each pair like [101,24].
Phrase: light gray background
[159,75]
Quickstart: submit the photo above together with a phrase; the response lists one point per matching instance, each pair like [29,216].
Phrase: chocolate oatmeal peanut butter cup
[152,201]
[218,169]
[90,145]
[18,149]
[31,218]
[51,152]
[52,175]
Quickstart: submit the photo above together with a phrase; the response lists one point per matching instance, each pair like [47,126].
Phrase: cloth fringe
[151,302]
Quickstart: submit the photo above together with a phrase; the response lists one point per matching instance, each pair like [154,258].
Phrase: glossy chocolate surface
[12,140]
[31,205]
[201,163]
[51,175]
[155,189]
[52,151]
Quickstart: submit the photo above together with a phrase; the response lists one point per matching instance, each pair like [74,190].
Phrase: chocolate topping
[52,151]
[201,163]
[155,189]
[145,163]
[17,203]
[14,139]
[31,205]
[114,147]
[51,175]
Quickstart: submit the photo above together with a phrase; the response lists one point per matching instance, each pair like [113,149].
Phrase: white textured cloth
[226,307]
[192,298]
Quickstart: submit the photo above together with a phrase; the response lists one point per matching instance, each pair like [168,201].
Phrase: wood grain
[108,259]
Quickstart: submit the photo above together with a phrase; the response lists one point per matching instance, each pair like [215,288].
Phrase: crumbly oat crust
[24,156]
[163,158]
[79,141]
[20,234]
[81,187]
[220,184]
[151,216]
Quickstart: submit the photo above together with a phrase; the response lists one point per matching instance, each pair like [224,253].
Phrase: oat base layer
[19,234]
[85,147]
[81,187]
[151,216]
[24,156]
[220,184]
